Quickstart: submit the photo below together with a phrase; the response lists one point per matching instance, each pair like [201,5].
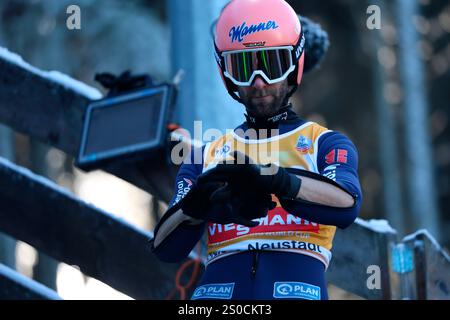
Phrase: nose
[259,83]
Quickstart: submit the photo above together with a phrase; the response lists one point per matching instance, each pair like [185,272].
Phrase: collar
[286,114]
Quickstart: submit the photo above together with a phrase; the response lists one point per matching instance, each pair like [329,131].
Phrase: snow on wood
[56,76]
[376,225]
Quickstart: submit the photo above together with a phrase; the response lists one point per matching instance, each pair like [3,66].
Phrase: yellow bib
[279,230]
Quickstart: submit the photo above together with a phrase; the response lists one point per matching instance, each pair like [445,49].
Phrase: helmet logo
[299,50]
[255,44]
[239,32]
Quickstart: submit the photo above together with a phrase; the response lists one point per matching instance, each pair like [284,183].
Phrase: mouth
[259,98]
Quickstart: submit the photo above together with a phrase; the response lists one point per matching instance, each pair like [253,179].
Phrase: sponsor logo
[299,290]
[303,144]
[336,155]
[342,156]
[299,50]
[214,291]
[278,222]
[301,245]
[215,254]
[278,117]
[188,181]
[223,151]
[183,187]
[330,172]
[255,44]
[237,33]
[329,158]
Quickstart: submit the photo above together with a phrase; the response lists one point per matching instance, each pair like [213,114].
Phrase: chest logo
[222,152]
[303,144]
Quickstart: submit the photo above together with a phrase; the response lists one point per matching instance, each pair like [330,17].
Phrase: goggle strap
[219,58]
[299,47]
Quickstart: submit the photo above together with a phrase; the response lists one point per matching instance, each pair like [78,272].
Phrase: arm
[324,193]
[334,196]
[176,233]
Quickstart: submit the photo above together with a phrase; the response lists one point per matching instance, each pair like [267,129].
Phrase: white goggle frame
[258,72]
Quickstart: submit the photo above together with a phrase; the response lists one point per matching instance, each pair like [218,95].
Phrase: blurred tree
[418,162]
[434,24]
[387,136]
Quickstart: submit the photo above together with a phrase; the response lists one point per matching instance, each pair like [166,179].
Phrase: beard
[264,102]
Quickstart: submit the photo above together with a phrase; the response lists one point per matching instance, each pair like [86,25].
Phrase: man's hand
[217,201]
[251,177]
[243,206]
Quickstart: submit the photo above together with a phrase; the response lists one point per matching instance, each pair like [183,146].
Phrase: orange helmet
[259,37]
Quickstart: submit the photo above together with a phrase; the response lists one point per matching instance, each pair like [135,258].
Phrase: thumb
[245,222]
[272,205]
[222,194]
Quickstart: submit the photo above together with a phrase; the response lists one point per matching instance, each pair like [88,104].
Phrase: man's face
[262,99]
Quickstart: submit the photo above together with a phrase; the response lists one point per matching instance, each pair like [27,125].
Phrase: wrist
[296,184]
[288,184]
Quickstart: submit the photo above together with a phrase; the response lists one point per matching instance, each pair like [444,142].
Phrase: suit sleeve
[176,238]
[337,163]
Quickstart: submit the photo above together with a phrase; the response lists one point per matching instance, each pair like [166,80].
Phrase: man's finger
[273,205]
[245,222]
[221,172]
[255,213]
[215,177]
[220,213]
[210,186]
[223,194]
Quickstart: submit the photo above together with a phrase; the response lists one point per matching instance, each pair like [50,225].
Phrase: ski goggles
[272,64]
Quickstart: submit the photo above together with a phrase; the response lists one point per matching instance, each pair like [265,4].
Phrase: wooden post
[354,250]
[431,280]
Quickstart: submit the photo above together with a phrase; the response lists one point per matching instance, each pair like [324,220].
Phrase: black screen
[125,124]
